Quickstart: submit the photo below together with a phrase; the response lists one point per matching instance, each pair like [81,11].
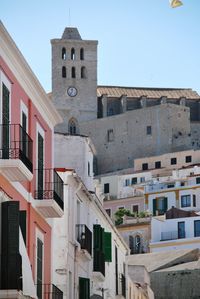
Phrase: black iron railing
[15,143]
[84,237]
[48,291]
[99,262]
[50,186]
[123,285]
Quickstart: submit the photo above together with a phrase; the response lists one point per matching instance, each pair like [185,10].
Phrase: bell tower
[74,79]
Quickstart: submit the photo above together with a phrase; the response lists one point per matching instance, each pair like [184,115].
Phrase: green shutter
[84,288]
[165,204]
[154,207]
[97,237]
[108,246]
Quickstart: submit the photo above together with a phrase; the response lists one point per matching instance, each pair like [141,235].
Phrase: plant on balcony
[125,212]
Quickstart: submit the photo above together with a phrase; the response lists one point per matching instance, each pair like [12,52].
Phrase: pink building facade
[31,191]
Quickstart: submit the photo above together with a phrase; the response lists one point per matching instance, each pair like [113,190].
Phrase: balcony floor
[48,208]
[15,170]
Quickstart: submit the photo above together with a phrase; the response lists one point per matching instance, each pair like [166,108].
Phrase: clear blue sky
[141,42]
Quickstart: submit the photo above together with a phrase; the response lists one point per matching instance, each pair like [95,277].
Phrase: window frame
[186,197]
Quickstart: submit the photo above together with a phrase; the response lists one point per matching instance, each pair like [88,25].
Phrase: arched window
[81,54]
[135,244]
[73,72]
[72,54]
[83,72]
[73,126]
[64,56]
[64,72]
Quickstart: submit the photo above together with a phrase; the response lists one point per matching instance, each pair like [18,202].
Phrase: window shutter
[154,206]
[97,237]
[108,246]
[22,223]
[84,288]
[165,204]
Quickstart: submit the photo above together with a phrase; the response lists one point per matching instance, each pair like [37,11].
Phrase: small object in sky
[175,3]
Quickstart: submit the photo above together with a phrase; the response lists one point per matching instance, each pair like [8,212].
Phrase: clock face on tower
[72,91]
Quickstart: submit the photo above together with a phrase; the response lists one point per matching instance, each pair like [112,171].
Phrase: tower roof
[71,33]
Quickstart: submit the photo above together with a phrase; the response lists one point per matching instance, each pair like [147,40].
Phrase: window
[73,126]
[181,230]
[144,166]
[173,161]
[135,209]
[88,168]
[73,72]
[158,164]
[135,244]
[72,54]
[64,72]
[81,54]
[127,182]
[134,181]
[116,271]
[106,188]
[64,54]
[5,122]
[194,200]
[197,228]
[149,131]
[188,159]
[110,135]
[83,72]
[185,201]
[160,205]
[84,288]
[108,211]
[142,179]
[40,170]
[198,180]
[120,208]
[39,268]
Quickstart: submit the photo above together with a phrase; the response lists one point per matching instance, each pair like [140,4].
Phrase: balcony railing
[99,262]
[84,237]
[48,291]
[15,143]
[50,187]
[172,235]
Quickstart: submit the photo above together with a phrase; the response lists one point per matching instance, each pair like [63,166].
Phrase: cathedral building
[124,123]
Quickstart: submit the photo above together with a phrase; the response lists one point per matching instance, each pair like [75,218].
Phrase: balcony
[15,153]
[123,285]
[98,266]
[172,235]
[49,193]
[48,291]
[84,237]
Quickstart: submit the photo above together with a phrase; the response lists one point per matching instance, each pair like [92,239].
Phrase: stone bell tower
[74,79]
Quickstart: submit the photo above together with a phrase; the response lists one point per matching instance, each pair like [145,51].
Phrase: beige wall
[130,140]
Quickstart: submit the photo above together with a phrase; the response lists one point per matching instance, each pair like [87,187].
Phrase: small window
[72,54]
[158,164]
[127,182]
[120,208]
[194,200]
[83,72]
[185,201]
[197,228]
[145,166]
[173,161]
[64,54]
[134,181]
[110,135]
[81,54]
[72,127]
[142,179]
[198,180]
[73,72]
[106,188]
[149,130]
[108,211]
[135,209]
[170,186]
[64,72]
[188,159]
[88,168]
